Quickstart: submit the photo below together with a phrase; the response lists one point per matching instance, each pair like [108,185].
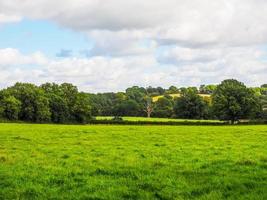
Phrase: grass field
[157,119]
[133,162]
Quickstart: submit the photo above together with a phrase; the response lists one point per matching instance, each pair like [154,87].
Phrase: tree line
[63,103]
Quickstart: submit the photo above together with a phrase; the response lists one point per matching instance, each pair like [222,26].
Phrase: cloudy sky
[109,45]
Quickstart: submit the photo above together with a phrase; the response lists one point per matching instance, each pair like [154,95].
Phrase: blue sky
[111,45]
[30,36]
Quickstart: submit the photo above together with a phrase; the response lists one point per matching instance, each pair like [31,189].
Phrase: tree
[136,93]
[59,109]
[67,104]
[34,103]
[264,86]
[190,105]
[161,91]
[69,93]
[61,101]
[232,100]
[82,108]
[163,108]
[127,108]
[105,103]
[207,89]
[172,90]
[149,106]
[10,108]
[263,99]
[155,91]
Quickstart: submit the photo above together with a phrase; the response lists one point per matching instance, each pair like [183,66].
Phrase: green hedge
[173,123]
[159,123]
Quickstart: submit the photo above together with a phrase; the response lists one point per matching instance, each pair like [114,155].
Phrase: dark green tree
[136,93]
[82,108]
[190,105]
[172,90]
[59,102]
[34,103]
[127,108]
[263,99]
[155,91]
[59,109]
[163,108]
[233,101]
[10,108]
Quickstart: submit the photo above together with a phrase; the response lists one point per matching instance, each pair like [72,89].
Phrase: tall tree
[59,109]
[82,108]
[149,106]
[34,103]
[232,100]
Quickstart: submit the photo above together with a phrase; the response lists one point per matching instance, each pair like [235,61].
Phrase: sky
[102,45]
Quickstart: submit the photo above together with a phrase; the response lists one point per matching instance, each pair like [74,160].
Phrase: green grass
[156,119]
[132,162]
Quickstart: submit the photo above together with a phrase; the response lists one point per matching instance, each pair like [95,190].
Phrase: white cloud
[163,42]
[99,74]
[195,22]
[12,57]
[8,18]
[121,43]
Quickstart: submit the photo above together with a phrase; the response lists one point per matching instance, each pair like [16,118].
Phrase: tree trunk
[148,114]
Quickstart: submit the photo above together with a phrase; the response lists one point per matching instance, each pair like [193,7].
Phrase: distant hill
[205,96]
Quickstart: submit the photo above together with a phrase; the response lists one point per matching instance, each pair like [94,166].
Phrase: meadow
[154,119]
[132,162]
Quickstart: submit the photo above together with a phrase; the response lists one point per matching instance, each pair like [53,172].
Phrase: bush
[117,118]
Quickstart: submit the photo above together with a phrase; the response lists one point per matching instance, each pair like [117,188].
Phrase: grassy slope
[128,162]
[156,98]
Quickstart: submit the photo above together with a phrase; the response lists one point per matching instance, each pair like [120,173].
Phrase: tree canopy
[232,100]
[64,103]
[190,105]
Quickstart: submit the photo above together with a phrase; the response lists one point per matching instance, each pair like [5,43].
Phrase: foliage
[190,105]
[63,103]
[34,103]
[163,108]
[232,100]
[263,100]
[49,102]
[59,109]
[155,91]
[10,108]
[82,108]
[172,90]
[207,89]
[127,108]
